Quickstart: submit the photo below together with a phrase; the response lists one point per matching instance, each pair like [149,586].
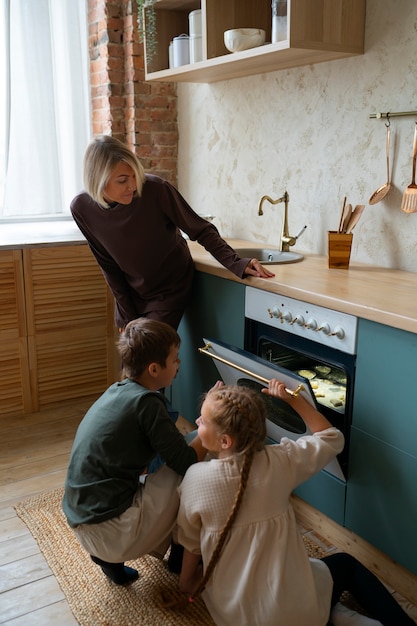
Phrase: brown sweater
[144,258]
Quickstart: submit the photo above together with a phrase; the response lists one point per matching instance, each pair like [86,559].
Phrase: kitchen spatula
[409,202]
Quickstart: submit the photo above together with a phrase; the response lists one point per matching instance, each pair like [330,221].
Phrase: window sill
[20,234]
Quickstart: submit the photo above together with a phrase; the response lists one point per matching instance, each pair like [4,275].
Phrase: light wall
[307,130]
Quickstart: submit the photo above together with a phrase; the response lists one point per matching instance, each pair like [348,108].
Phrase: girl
[235,516]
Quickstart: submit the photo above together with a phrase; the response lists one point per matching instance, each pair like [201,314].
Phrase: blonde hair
[239,412]
[103,154]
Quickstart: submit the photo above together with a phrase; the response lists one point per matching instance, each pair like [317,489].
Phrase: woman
[132,223]
[243,550]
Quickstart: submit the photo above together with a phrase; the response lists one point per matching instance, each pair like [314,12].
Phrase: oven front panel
[238,367]
[330,372]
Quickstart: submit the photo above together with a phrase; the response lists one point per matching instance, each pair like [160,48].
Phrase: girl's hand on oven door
[276,388]
[217,385]
[254,268]
[315,420]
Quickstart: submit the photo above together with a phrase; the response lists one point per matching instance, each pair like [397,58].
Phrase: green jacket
[116,440]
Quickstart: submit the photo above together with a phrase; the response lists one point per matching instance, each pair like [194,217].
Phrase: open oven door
[238,367]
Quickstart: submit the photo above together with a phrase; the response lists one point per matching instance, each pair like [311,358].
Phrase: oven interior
[328,382]
[330,372]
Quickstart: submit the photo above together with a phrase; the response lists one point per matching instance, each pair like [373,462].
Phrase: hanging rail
[380,116]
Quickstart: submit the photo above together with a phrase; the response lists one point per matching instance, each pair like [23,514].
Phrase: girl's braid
[241,414]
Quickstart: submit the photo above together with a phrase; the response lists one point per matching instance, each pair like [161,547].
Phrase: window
[44,106]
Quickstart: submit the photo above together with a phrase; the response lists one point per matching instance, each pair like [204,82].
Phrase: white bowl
[238,39]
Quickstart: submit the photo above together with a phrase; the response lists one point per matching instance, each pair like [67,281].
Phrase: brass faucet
[286,240]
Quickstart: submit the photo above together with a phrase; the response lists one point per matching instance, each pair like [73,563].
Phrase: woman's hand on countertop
[254,268]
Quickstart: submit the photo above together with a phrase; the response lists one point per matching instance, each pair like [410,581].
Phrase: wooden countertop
[379,294]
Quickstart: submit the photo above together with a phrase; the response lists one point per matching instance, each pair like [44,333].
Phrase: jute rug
[93,599]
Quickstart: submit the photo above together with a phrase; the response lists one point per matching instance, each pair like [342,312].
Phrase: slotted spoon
[409,202]
[382,191]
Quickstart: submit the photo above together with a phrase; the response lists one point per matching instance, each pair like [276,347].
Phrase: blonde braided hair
[240,413]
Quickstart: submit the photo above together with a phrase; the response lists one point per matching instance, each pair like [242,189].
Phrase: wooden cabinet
[69,335]
[57,328]
[381,502]
[15,396]
[318,30]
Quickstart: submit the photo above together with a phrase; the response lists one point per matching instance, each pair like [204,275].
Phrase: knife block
[340,245]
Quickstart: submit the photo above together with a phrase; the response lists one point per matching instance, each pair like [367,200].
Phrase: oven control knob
[286,316]
[338,332]
[325,328]
[311,324]
[275,312]
[299,320]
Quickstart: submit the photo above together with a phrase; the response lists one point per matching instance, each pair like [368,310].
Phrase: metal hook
[388,120]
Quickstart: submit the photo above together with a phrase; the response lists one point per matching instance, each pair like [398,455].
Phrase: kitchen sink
[269,255]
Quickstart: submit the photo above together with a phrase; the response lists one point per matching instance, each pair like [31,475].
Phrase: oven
[311,348]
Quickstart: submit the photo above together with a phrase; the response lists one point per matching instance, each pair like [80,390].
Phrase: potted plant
[147,27]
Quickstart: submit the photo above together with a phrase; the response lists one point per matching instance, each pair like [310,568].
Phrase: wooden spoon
[356,214]
[342,215]
[346,218]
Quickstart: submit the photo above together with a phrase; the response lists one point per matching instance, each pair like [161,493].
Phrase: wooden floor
[34,451]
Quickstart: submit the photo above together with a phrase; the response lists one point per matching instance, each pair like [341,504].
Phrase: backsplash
[307,130]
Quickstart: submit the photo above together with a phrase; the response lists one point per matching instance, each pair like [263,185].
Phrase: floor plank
[23,600]
[17,548]
[55,614]
[23,571]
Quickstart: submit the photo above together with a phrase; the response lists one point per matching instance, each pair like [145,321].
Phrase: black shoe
[175,558]
[119,573]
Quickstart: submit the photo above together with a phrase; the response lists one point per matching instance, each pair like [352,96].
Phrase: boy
[116,514]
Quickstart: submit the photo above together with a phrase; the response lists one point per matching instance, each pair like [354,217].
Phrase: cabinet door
[381,501]
[385,385]
[326,493]
[218,311]
[15,395]
[70,337]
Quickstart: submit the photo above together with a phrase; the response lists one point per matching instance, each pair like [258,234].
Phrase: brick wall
[142,114]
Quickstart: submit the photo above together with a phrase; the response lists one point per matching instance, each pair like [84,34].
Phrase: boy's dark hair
[145,341]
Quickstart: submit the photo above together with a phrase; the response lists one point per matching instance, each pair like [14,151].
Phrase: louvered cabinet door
[15,397]
[70,329]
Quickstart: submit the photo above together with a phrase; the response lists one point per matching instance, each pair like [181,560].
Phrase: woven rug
[93,599]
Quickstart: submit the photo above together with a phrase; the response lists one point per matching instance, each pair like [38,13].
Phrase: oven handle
[294,393]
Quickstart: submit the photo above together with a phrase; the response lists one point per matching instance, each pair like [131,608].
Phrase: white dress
[264,576]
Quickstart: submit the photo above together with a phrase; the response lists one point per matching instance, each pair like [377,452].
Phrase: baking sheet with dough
[329,393]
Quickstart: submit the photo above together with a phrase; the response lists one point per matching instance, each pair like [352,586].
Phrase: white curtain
[46,105]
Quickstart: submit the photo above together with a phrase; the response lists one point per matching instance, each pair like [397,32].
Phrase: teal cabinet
[327,494]
[381,500]
[217,311]
[386,385]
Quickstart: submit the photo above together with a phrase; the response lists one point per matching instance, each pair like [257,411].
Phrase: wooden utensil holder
[340,245]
